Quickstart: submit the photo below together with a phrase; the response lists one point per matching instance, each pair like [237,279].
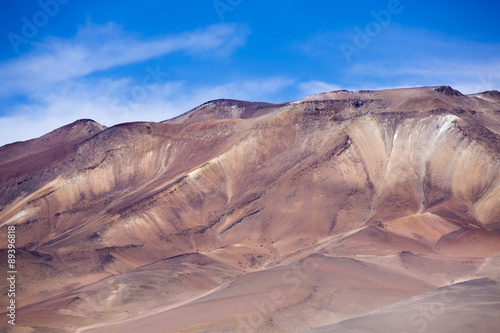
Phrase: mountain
[331,213]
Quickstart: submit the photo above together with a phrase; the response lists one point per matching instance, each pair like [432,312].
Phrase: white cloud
[465,75]
[96,48]
[262,90]
[402,56]
[102,101]
[316,87]
[58,86]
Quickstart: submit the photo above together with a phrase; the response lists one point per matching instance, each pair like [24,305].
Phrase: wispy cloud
[98,100]
[466,76]
[59,81]
[402,56]
[64,79]
[315,87]
[97,48]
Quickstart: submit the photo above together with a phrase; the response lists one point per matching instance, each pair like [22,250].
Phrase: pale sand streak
[150,313]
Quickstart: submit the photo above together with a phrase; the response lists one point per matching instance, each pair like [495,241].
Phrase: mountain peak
[386,193]
[449,91]
[225,109]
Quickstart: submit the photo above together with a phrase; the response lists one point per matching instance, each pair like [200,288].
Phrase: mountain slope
[307,213]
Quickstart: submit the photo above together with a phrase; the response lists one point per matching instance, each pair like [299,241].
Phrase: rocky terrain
[367,211]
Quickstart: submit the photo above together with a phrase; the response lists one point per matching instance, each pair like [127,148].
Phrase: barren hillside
[343,211]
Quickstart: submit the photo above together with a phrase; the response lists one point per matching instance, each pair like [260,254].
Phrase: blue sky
[119,61]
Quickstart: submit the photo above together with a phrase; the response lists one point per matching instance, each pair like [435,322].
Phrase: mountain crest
[259,216]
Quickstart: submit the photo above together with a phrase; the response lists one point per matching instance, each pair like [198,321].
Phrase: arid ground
[369,211]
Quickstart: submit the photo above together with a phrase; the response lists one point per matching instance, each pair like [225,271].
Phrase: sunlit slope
[398,184]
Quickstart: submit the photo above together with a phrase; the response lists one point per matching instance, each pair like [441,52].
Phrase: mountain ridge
[234,197]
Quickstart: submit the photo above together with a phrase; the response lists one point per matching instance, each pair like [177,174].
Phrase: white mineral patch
[21,214]
[447,122]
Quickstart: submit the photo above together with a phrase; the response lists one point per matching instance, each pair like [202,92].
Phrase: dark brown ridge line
[241,219]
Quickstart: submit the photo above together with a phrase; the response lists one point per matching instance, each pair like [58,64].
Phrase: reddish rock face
[257,217]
